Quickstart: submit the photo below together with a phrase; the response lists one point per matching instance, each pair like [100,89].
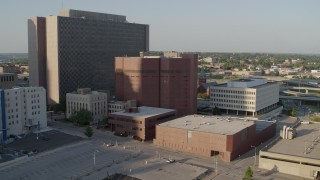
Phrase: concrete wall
[8,81]
[52,68]
[267,95]
[292,165]
[37,51]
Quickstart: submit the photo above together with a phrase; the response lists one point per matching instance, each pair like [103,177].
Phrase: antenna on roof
[61,4]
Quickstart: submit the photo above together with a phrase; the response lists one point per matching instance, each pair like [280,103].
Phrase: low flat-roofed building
[228,137]
[8,80]
[299,156]
[115,106]
[140,121]
[253,96]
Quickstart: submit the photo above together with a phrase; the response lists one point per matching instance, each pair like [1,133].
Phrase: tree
[81,118]
[216,111]
[248,174]
[294,112]
[88,131]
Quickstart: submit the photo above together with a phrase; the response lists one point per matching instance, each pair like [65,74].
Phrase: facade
[8,80]
[37,51]
[94,101]
[116,106]
[140,121]
[208,136]
[245,96]
[22,110]
[10,69]
[299,156]
[165,82]
[80,48]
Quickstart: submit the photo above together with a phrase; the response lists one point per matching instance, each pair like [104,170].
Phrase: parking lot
[43,141]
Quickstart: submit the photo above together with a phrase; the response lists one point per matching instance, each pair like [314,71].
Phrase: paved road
[129,157]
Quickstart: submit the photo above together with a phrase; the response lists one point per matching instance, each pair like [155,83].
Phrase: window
[189,136]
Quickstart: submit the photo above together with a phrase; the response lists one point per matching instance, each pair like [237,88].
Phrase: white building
[116,106]
[22,110]
[245,96]
[94,101]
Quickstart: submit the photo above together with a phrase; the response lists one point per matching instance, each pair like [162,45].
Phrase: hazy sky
[279,26]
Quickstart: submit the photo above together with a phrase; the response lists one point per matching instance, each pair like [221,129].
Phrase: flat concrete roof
[144,112]
[296,146]
[254,87]
[211,124]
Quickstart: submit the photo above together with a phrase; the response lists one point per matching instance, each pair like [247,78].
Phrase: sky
[273,26]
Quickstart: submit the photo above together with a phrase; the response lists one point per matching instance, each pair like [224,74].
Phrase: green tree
[294,112]
[202,96]
[88,131]
[248,174]
[81,118]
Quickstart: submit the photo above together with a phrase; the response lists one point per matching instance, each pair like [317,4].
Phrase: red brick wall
[147,125]
[202,143]
[137,78]
[166,82]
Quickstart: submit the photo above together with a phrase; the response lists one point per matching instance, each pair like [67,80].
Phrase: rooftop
[306,133]
[144,112]
[212,124]
[254,87]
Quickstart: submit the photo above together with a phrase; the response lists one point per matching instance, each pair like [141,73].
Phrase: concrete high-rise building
[79,50]
[165,82]
[245,96]
[22,110]
[37,51]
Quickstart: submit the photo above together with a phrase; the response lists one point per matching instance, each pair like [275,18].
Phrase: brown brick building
[209,135]
[140,121]
[165,82]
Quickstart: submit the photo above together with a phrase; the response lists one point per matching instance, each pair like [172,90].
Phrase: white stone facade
[23,110]
[93,101]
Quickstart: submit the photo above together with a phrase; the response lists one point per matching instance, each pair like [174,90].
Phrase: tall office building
[253,96]
[79,50]
[165,82]
[22,110]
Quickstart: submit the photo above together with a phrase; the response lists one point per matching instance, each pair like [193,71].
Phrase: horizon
[286,27]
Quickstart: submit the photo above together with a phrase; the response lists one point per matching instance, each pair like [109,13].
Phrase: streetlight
[94,157]
[255,154]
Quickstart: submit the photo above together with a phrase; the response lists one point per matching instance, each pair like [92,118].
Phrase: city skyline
[217,26]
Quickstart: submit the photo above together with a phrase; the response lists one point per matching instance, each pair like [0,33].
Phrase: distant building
[116,106]
[208,136]
[299,156]
[247,73]
[245,96]
[156,81]
[10,69]
[8,80]
[84,99]
[23,110]
[202,77]
[77,49]
[140,121]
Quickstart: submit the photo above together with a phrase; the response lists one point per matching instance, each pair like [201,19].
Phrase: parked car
[169,161]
